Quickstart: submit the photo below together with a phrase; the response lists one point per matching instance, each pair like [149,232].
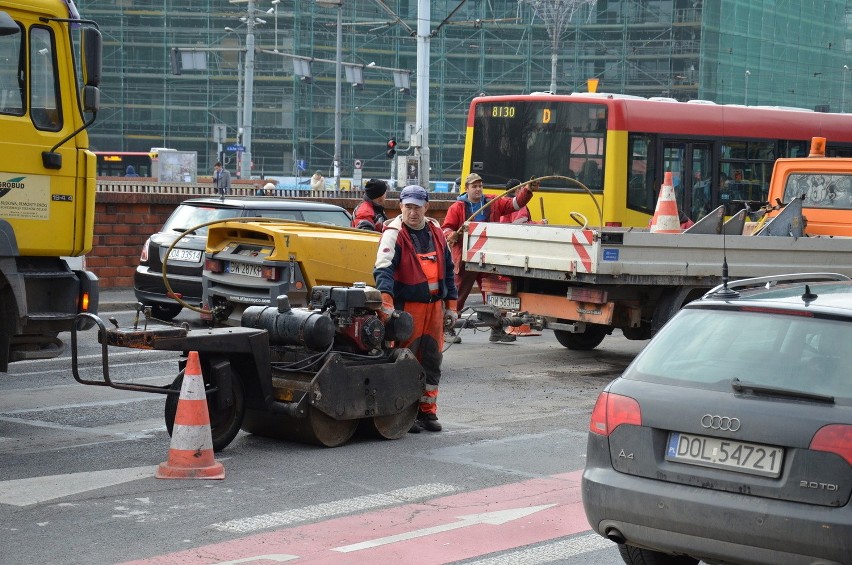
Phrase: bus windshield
[526,139]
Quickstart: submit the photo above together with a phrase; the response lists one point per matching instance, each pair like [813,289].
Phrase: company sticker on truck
[24,197]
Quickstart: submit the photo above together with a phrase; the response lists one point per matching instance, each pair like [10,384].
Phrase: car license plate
[751,458]
[190,255]
[504,302]
[246,269]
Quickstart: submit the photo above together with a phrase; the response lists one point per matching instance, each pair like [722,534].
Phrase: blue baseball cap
[413,194]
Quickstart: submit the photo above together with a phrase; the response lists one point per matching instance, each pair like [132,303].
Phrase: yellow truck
[48,97]
[252,263]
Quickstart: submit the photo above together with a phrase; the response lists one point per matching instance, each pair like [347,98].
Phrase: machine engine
[342,318]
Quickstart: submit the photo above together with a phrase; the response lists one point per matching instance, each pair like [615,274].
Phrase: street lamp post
[240,109]
[747,74]
[843,89]
[337,85]
[269,11]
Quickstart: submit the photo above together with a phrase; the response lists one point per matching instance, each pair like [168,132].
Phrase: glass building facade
[754,52]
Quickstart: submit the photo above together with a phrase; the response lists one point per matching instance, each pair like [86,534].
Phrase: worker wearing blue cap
[415,273]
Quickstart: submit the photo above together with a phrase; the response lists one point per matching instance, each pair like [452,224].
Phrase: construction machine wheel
[586,341]
[225,422]
[315,427]
[394,426]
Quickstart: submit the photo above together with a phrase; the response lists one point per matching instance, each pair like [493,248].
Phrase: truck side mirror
[92,50]
[8,25]
[91,98]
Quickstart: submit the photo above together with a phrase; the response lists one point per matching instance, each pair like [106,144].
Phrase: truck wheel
[638,556]
[589,339]
[224,422]
[165,312]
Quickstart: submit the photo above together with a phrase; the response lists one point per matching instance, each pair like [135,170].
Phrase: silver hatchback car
[729,438]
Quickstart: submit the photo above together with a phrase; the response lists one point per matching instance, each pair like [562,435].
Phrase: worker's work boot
[416,427]
[500,336]
[450,336]
[429,422]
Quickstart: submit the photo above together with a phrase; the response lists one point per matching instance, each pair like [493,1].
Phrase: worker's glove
[534,185]
[387,310]
[450,314]
[452,237]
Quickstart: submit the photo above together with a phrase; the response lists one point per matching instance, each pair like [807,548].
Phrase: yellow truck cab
[48,97]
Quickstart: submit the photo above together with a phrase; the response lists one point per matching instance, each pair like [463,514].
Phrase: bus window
[640,192]
[536,139]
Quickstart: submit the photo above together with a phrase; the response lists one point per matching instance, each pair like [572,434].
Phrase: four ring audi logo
[720,423]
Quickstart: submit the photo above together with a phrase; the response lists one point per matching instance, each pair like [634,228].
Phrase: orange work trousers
[427,342]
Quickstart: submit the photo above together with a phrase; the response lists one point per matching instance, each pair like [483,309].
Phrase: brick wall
[124,220]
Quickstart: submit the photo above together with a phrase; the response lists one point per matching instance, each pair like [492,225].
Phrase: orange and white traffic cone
[191,450]
[666,218]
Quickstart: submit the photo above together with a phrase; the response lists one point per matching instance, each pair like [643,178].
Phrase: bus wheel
[589,339]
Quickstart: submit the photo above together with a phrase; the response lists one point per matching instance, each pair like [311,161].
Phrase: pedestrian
[130,171]
[471,204]
[269,189]
[414,272]
[370,214]
[221,179]
[317,181]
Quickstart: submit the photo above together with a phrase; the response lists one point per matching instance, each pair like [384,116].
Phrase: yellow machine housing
[253,263]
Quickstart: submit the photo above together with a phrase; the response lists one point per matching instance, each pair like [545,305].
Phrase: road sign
[358,163]
[220,133]
[302,165]
[235,147]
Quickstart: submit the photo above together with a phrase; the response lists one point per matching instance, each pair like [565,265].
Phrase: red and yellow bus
[619,147]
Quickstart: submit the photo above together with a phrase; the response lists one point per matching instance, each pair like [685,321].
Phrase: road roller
[315,374]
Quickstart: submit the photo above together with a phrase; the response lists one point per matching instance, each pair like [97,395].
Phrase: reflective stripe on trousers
[427,341]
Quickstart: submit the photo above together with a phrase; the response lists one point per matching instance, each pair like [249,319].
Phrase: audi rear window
[708,348]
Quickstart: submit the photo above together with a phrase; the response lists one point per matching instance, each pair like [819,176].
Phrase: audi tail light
[612,410]
[834,438]
[214,265]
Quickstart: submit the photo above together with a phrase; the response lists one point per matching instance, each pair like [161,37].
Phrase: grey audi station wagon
[729,438]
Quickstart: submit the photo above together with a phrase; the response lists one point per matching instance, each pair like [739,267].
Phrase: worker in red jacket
[414,272]
[471,204]
[370,214]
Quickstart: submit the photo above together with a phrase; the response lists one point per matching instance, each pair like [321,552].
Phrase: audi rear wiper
[741,386]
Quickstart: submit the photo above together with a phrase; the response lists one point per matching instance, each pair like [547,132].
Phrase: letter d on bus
[545,116]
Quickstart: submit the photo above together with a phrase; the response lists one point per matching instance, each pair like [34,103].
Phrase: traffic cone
[191,450]
[666,218]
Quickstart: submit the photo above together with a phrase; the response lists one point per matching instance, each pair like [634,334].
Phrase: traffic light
[391,148]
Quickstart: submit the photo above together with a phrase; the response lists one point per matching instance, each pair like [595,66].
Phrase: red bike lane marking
[316,543]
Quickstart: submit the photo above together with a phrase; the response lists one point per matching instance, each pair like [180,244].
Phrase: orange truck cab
[824,183]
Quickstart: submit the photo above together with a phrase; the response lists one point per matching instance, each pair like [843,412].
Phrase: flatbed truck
[584,282]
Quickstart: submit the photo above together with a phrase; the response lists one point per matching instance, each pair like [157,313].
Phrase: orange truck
[824,185]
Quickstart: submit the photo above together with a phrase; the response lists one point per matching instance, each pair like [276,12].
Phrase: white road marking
[550,552]
[494,518]
[279,557]
[336,508]
[25,492]
[85,371]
